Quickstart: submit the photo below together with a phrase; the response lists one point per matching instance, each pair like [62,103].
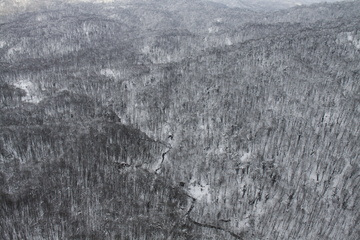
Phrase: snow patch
[228,42]
[12,51]
[30,90]
[107,72]
[357,45]
[2,44]
[349,37]
[243,225]
[213,29]
[314,176]
[246,157]
[326,118]
[146,49]
[199,190]
[157,166]
[221,149]
[40,18]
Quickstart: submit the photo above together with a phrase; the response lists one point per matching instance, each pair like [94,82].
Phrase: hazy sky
[6,5]
[279,1]
[242,3]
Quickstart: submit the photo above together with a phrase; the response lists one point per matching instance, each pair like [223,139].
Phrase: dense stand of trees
[264,116]
[85,180]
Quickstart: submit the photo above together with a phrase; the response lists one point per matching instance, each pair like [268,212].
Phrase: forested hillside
[186,120]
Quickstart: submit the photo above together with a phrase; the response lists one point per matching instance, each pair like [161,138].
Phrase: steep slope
[82,176]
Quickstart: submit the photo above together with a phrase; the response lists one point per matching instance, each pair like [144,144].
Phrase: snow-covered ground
[200,191]
[30,89]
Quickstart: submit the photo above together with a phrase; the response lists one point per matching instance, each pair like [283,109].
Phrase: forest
[187,120]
